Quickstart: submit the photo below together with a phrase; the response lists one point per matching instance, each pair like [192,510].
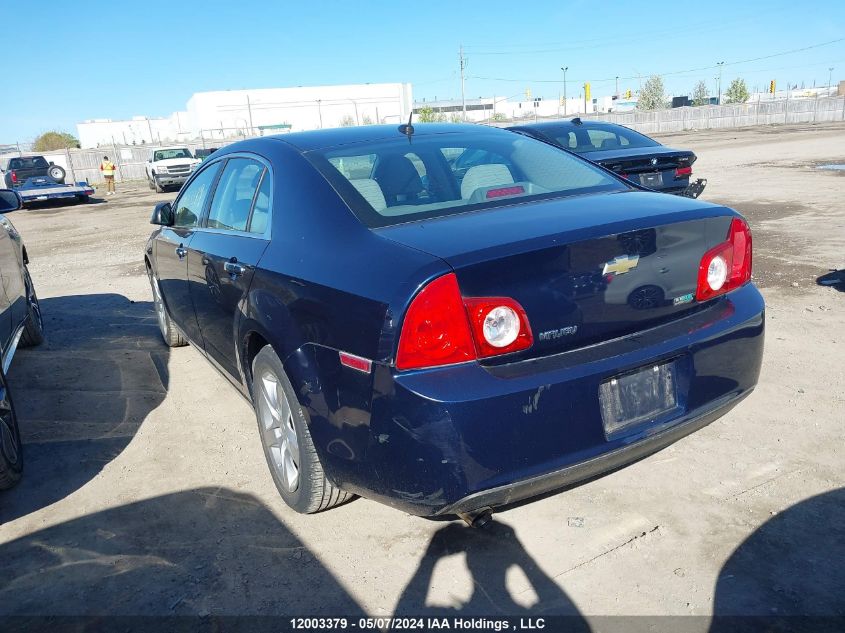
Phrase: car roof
[158,149]
[320,139]
[568,124]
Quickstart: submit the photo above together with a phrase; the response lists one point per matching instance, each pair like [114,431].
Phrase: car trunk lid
[585,269]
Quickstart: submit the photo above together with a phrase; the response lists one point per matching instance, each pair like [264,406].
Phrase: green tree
[737,92]
[54,140]
[426,114]
[456,118]
[699,94]
[347,121]
[499,116]
[366,120]
[652,96]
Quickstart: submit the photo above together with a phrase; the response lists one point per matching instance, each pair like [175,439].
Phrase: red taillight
[727,265]
[499,325]
[443,328]
[683,172]
[436,330]
[14,176]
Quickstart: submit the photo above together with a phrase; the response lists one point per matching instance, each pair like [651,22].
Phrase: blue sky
[70,61]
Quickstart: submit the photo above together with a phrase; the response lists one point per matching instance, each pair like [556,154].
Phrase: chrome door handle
[181,252]
[234,268]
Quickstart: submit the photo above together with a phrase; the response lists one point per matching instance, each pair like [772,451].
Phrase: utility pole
[249,108]
[463,66]
[829,78]
[720,64]
[150,128]
[564,69]
[320,113]
[617,87]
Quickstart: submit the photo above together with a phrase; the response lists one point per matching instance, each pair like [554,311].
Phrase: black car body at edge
[20,326]
[359,251]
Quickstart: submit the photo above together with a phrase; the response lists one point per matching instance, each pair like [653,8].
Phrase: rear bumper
[591,468]
[467,436]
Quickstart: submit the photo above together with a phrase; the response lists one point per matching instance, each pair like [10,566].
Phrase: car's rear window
[33,162]
[593,138]
[394,181]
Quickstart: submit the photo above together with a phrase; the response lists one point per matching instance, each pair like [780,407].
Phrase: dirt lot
[146,492]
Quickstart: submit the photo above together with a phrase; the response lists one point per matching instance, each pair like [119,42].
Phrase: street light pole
[463,96]
[617,86]
[720,64]
[564,69]
[829,78]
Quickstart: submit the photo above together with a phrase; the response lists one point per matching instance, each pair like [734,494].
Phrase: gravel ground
[146,491]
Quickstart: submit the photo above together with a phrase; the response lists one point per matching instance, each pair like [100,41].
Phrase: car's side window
[232,200]
[261,206]
[190,205]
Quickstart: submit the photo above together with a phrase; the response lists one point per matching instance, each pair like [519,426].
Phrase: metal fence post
[117,158]
[70,165]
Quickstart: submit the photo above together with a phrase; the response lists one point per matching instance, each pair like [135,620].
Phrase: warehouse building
[231,113]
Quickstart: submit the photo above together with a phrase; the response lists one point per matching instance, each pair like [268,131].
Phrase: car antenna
[406,128]
[577,120]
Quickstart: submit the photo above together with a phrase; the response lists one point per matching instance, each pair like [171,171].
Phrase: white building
[230,113]
[138,130]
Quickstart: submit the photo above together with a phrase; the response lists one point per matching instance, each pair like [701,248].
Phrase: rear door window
[261,207]
[233,197]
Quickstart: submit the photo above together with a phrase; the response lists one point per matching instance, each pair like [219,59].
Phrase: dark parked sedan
[20,325]
[632,155]
[446,339]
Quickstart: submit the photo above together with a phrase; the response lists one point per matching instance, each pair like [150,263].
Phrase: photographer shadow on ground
[489,553]
[793,566]
[834,279]
[201,552]
[81,396]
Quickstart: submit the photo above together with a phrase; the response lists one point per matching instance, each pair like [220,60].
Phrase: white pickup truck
[170,167]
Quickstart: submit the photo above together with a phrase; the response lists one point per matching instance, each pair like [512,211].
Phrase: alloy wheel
[32,301]
[8,436]
[278,430]
[159,306]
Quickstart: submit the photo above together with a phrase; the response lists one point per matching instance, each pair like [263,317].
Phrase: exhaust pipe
[478,518]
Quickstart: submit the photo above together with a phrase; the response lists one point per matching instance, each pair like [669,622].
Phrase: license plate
[651,180]
[638,397]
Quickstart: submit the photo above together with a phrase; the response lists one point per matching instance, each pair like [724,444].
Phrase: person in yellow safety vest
[107,167]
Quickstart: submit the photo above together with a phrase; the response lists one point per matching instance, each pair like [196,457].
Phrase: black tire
[11,451]
[57,173]
[169,332]
[83,199]
[151,184]
[159,188]
[33,331]
[311,492]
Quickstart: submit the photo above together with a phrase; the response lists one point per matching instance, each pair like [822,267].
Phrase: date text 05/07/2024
[418,624]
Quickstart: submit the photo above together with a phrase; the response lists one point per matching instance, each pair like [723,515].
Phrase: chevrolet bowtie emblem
[621,265]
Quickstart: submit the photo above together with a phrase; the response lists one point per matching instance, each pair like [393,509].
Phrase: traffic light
[528,94]
[587,95]
[772,85]
[562,100]
[628,93]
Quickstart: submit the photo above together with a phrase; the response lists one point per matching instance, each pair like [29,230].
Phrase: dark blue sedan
[448,335]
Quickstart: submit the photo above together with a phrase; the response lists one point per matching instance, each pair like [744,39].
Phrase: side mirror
[162,214]
[52,163]
[10,201]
